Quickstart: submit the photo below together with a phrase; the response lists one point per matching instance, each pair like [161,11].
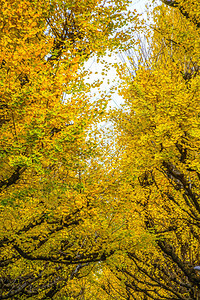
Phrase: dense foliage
[159,131]
[82,217]
[54,212]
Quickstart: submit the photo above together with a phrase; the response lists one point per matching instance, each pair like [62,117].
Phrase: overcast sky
[96,68]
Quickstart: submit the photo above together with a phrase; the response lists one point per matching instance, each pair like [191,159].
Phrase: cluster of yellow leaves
[56,215]
[157,134]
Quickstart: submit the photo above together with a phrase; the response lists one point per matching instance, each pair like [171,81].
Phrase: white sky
[95,67]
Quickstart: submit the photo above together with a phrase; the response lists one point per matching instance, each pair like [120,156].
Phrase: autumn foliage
[84,216]
[54,218]
[158,130]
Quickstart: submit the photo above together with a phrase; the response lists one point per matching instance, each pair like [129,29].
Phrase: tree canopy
[54,209]
[158,130]
[85,214]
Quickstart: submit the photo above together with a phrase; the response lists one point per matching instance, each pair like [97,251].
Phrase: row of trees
[80,218]
[55,215]
[158,129]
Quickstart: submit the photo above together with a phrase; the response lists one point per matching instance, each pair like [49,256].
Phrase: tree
[158,130]
[187,8]
[54,209]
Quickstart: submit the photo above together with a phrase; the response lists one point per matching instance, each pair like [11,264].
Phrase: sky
[96,68]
